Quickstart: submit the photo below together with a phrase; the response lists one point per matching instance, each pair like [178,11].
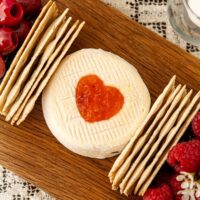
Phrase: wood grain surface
[33,153]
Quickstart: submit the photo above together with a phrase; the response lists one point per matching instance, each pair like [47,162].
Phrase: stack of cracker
[142,158]
[41,53]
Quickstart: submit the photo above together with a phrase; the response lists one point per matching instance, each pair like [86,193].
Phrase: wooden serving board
[33,153]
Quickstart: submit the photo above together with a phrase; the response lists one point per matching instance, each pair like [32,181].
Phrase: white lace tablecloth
[150,13]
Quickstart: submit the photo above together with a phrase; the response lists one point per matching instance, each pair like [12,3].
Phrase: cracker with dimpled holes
[22,48]
[47,53]
[126,151]
[46,38]
[181,131]
[29,106]
[154,134]
[153,151]
[41,75]
[50,15]
[143,139]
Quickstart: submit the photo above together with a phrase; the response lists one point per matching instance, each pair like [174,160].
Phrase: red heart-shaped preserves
[95,101]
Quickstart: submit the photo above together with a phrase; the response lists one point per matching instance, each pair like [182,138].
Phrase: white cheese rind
[100,139]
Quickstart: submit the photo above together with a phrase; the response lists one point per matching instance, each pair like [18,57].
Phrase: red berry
[160,193]
[185,156]
[164,175]
[30,7]
[178,197]
[175,185]
[196,125]
[11,12]
[2,67]
[23,30]
[8,41]
[180,192]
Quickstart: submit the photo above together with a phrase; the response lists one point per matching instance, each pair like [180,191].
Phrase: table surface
[150,13]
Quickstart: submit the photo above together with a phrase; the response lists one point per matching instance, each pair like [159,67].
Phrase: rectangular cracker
[126,151]
[47,37]
[28,108]
[25,43]
[166,143]
[178,136]
[163,133]
[154,135]
[146,148]
[49,16]
[172,101]
[141,140]
[47,53]
[41,75]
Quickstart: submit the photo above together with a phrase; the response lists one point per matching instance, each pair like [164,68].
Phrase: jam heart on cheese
[96,101]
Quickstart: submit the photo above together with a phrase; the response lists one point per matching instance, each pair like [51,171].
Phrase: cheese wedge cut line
[50,61]
[43,42]
[163,133]
[47,53]
[20,51]
[28,108]
[164,157]
[122,157]
[15,73]
[164,146]
[125,167]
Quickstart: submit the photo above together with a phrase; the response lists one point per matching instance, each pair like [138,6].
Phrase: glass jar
[184,16]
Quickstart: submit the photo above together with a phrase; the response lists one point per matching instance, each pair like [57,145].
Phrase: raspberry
[164,175]
[185,156]
[175,185]
[196,125]
[184,186]
[160,193]
[178,197]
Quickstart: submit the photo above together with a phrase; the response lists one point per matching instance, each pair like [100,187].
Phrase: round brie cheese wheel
[103,138]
